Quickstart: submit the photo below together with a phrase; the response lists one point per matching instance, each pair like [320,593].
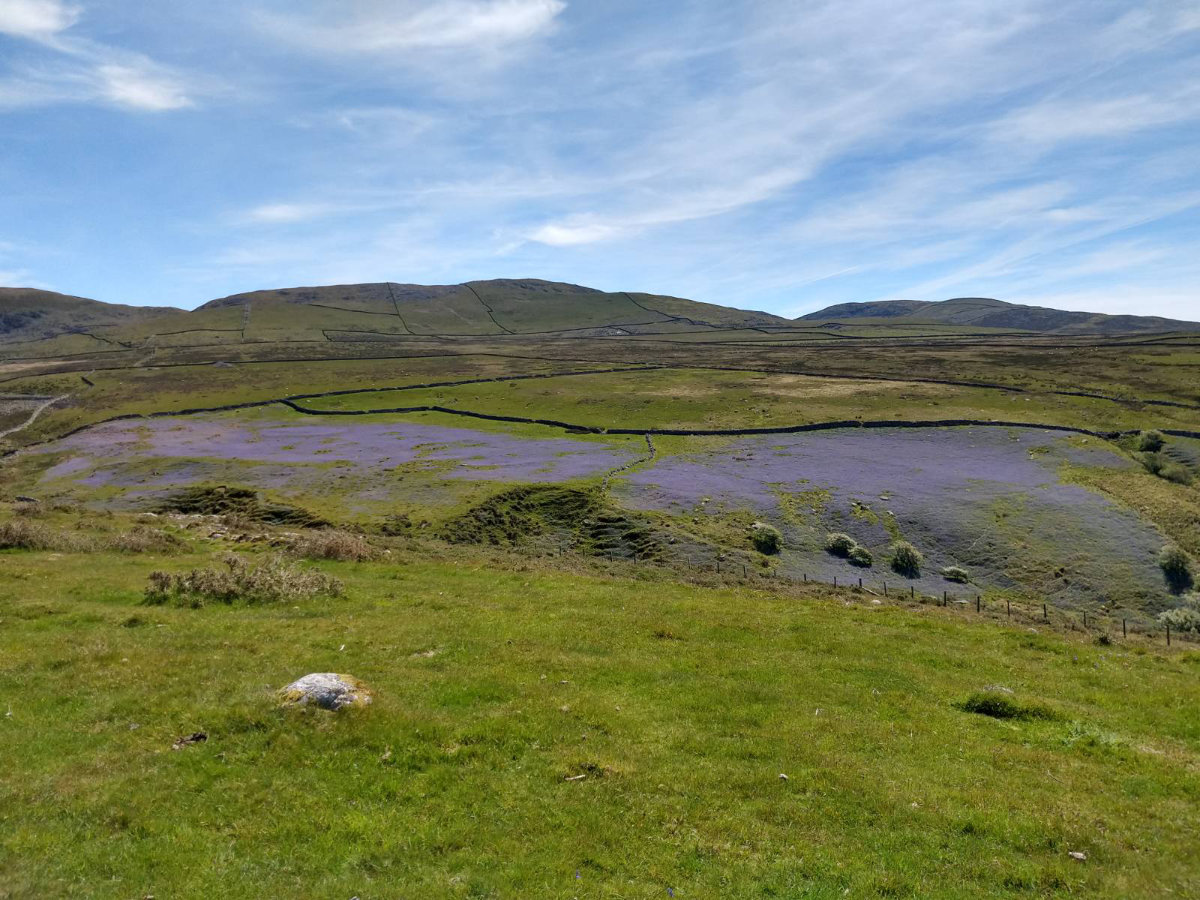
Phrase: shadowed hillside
[32,314]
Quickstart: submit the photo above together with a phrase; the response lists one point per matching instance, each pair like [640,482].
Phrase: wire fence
[992,607]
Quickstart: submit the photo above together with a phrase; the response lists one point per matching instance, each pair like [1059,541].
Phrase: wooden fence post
[1124,631]
[1008,606]
[1168,634]
[978,602]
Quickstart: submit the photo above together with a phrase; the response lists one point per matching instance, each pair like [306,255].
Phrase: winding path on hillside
[38,410]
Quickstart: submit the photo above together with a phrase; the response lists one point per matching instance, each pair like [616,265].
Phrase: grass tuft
[272,580]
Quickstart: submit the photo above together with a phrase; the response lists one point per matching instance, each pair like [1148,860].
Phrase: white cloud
[446,24]
[1065,120]
[288,213]
[140,86]
[36,19]
[77,70]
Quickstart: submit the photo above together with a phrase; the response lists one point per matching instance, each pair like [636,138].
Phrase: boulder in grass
[328,690]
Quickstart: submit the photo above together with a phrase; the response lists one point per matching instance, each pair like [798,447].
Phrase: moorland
[655,597]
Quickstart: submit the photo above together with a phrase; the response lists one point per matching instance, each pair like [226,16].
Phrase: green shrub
[906,559]
[861,556]
[23,534]
[1176,566]
[1001,706]
[839,544]
[766,539]
[1150,441]
[1183,618]
[1153,462]
[1176,472]
[956,573]
[272,580]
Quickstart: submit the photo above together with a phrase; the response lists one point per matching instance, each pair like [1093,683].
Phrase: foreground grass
[681,705]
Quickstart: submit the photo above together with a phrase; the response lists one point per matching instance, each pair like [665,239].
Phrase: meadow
[574,729]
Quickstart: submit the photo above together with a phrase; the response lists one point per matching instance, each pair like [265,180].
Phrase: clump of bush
[957,574]
[1150,441]
[1163,467]
[766,538]
[843,545]
[343,546]
[1176,567]
[906,559]
[999,705]
[1183,618]
[270,581]
[23,534]
[860,556]
[144,539]
[839,544]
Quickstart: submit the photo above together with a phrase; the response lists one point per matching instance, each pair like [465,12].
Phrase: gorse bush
[906,559]
[270,581]
[766,539]
[860,556]
[1176,567]
[839,544]
[956,573]
[343,546]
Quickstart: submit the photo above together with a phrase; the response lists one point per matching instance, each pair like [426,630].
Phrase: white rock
[327,690]
[1077,854]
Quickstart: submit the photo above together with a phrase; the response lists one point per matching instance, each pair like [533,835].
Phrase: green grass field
[498,679]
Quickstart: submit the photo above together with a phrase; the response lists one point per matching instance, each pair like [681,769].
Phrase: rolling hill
[984,312]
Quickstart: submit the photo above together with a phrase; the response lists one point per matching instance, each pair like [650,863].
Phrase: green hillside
[984,312]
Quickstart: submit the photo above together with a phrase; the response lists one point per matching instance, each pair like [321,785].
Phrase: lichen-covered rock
[328,690]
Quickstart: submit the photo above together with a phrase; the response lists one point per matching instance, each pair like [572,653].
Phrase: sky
[769,154]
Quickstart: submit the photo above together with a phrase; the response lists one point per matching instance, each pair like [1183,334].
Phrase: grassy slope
[705,399]
[497,681]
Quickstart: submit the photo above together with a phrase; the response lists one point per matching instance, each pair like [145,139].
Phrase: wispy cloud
[442,25]
[72,69]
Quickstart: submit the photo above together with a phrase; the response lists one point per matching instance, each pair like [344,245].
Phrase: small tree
[1177,568]
[906,559]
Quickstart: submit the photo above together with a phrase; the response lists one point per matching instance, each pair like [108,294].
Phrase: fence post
[743,570]
[944,598]
[1124,632]
[835,581]
[1168,634]
[885,589]
[1045,615]
[978,601]
[1008,606]
[806,578]
[1085,619]
[912,592]
[860,583]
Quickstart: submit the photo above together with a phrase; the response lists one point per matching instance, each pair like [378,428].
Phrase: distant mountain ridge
[986,312]
[509,306]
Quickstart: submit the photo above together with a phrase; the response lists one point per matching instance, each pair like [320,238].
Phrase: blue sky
[775,154]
